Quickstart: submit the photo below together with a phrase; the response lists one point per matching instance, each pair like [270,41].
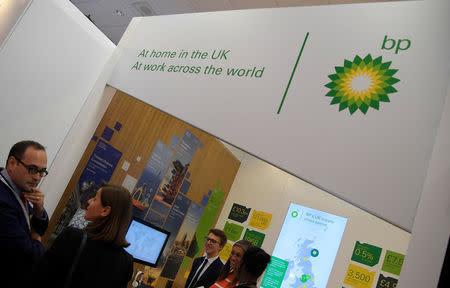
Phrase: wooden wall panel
[142,126]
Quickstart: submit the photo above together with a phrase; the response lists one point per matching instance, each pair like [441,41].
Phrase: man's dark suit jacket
[209,276]
[19,252]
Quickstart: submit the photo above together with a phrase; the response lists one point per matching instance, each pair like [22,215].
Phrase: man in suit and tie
[205,270]
[23,219]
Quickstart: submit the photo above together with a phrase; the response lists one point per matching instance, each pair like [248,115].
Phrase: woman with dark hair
[253,264]
[102,261]
[228,276]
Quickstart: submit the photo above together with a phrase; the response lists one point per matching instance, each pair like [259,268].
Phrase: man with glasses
[23,219]
[205,270]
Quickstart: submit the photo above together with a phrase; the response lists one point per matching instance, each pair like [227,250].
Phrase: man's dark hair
[18,149]
[255,261]
[219,233]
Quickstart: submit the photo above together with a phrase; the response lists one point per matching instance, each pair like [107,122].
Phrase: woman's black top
[100,264]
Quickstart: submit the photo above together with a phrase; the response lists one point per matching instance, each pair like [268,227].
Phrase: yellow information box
[225,252]
[359,277]
[260,220]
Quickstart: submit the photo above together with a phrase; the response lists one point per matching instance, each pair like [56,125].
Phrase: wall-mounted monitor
[305,250]
[147,241]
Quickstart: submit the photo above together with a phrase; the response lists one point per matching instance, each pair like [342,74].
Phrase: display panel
[305,250]
[146,242]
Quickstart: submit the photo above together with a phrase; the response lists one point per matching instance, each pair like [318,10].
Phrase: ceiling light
[119,12]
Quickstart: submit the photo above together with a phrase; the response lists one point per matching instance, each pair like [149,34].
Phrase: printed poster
[359,277]
[254,237]
[99,168]
[393,262]
[366,254]
[150,179]
[233,231]
[260,220]
[239,213]
[207,220]
[386,282]
[174,221]
[224,254]
[182,241]
[175,174]
[275,273]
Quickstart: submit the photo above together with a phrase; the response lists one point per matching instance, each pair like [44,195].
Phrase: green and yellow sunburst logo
[361,84]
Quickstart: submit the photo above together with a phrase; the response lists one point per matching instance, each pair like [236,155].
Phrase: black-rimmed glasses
[33,169]
[211,240]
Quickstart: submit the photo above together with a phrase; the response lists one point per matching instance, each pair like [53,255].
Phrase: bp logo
[361,84]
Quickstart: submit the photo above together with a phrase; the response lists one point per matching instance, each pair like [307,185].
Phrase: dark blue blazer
[19,252]
[209,276]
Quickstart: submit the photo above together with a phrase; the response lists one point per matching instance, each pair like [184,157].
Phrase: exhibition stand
[349,102]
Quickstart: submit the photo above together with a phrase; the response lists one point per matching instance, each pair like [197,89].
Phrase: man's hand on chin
[36,197]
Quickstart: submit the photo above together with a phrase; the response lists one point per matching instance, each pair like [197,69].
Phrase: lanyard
[25,210]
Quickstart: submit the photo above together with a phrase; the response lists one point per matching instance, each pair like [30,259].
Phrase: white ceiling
[112,16]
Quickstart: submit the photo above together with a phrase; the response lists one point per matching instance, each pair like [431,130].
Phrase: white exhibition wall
[359,157]
[10,12]
[51,71]
[49,66]
[378,161]
[263,187]
[431,230]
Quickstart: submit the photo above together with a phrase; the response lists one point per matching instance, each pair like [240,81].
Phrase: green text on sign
[366,254]
[386,282]
[233,231]
[275,273]
[239,213]
[254,237]
[393,262]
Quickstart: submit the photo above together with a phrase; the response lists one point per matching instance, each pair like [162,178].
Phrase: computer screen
[306,249]
[146,242]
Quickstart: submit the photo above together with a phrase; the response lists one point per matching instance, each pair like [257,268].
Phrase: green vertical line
[293,72]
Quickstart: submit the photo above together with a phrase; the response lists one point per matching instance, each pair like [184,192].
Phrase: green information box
[393,262]
[254,237]
[366,254]
[233,231]
[275,273]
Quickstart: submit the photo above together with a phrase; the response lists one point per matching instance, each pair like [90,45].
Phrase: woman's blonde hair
[113,228]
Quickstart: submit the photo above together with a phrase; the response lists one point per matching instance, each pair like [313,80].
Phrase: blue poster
[191,222]
[182,241]
[173,179]
[155,219]
[174,221]
[99,168]
[150,179]
[174,142]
